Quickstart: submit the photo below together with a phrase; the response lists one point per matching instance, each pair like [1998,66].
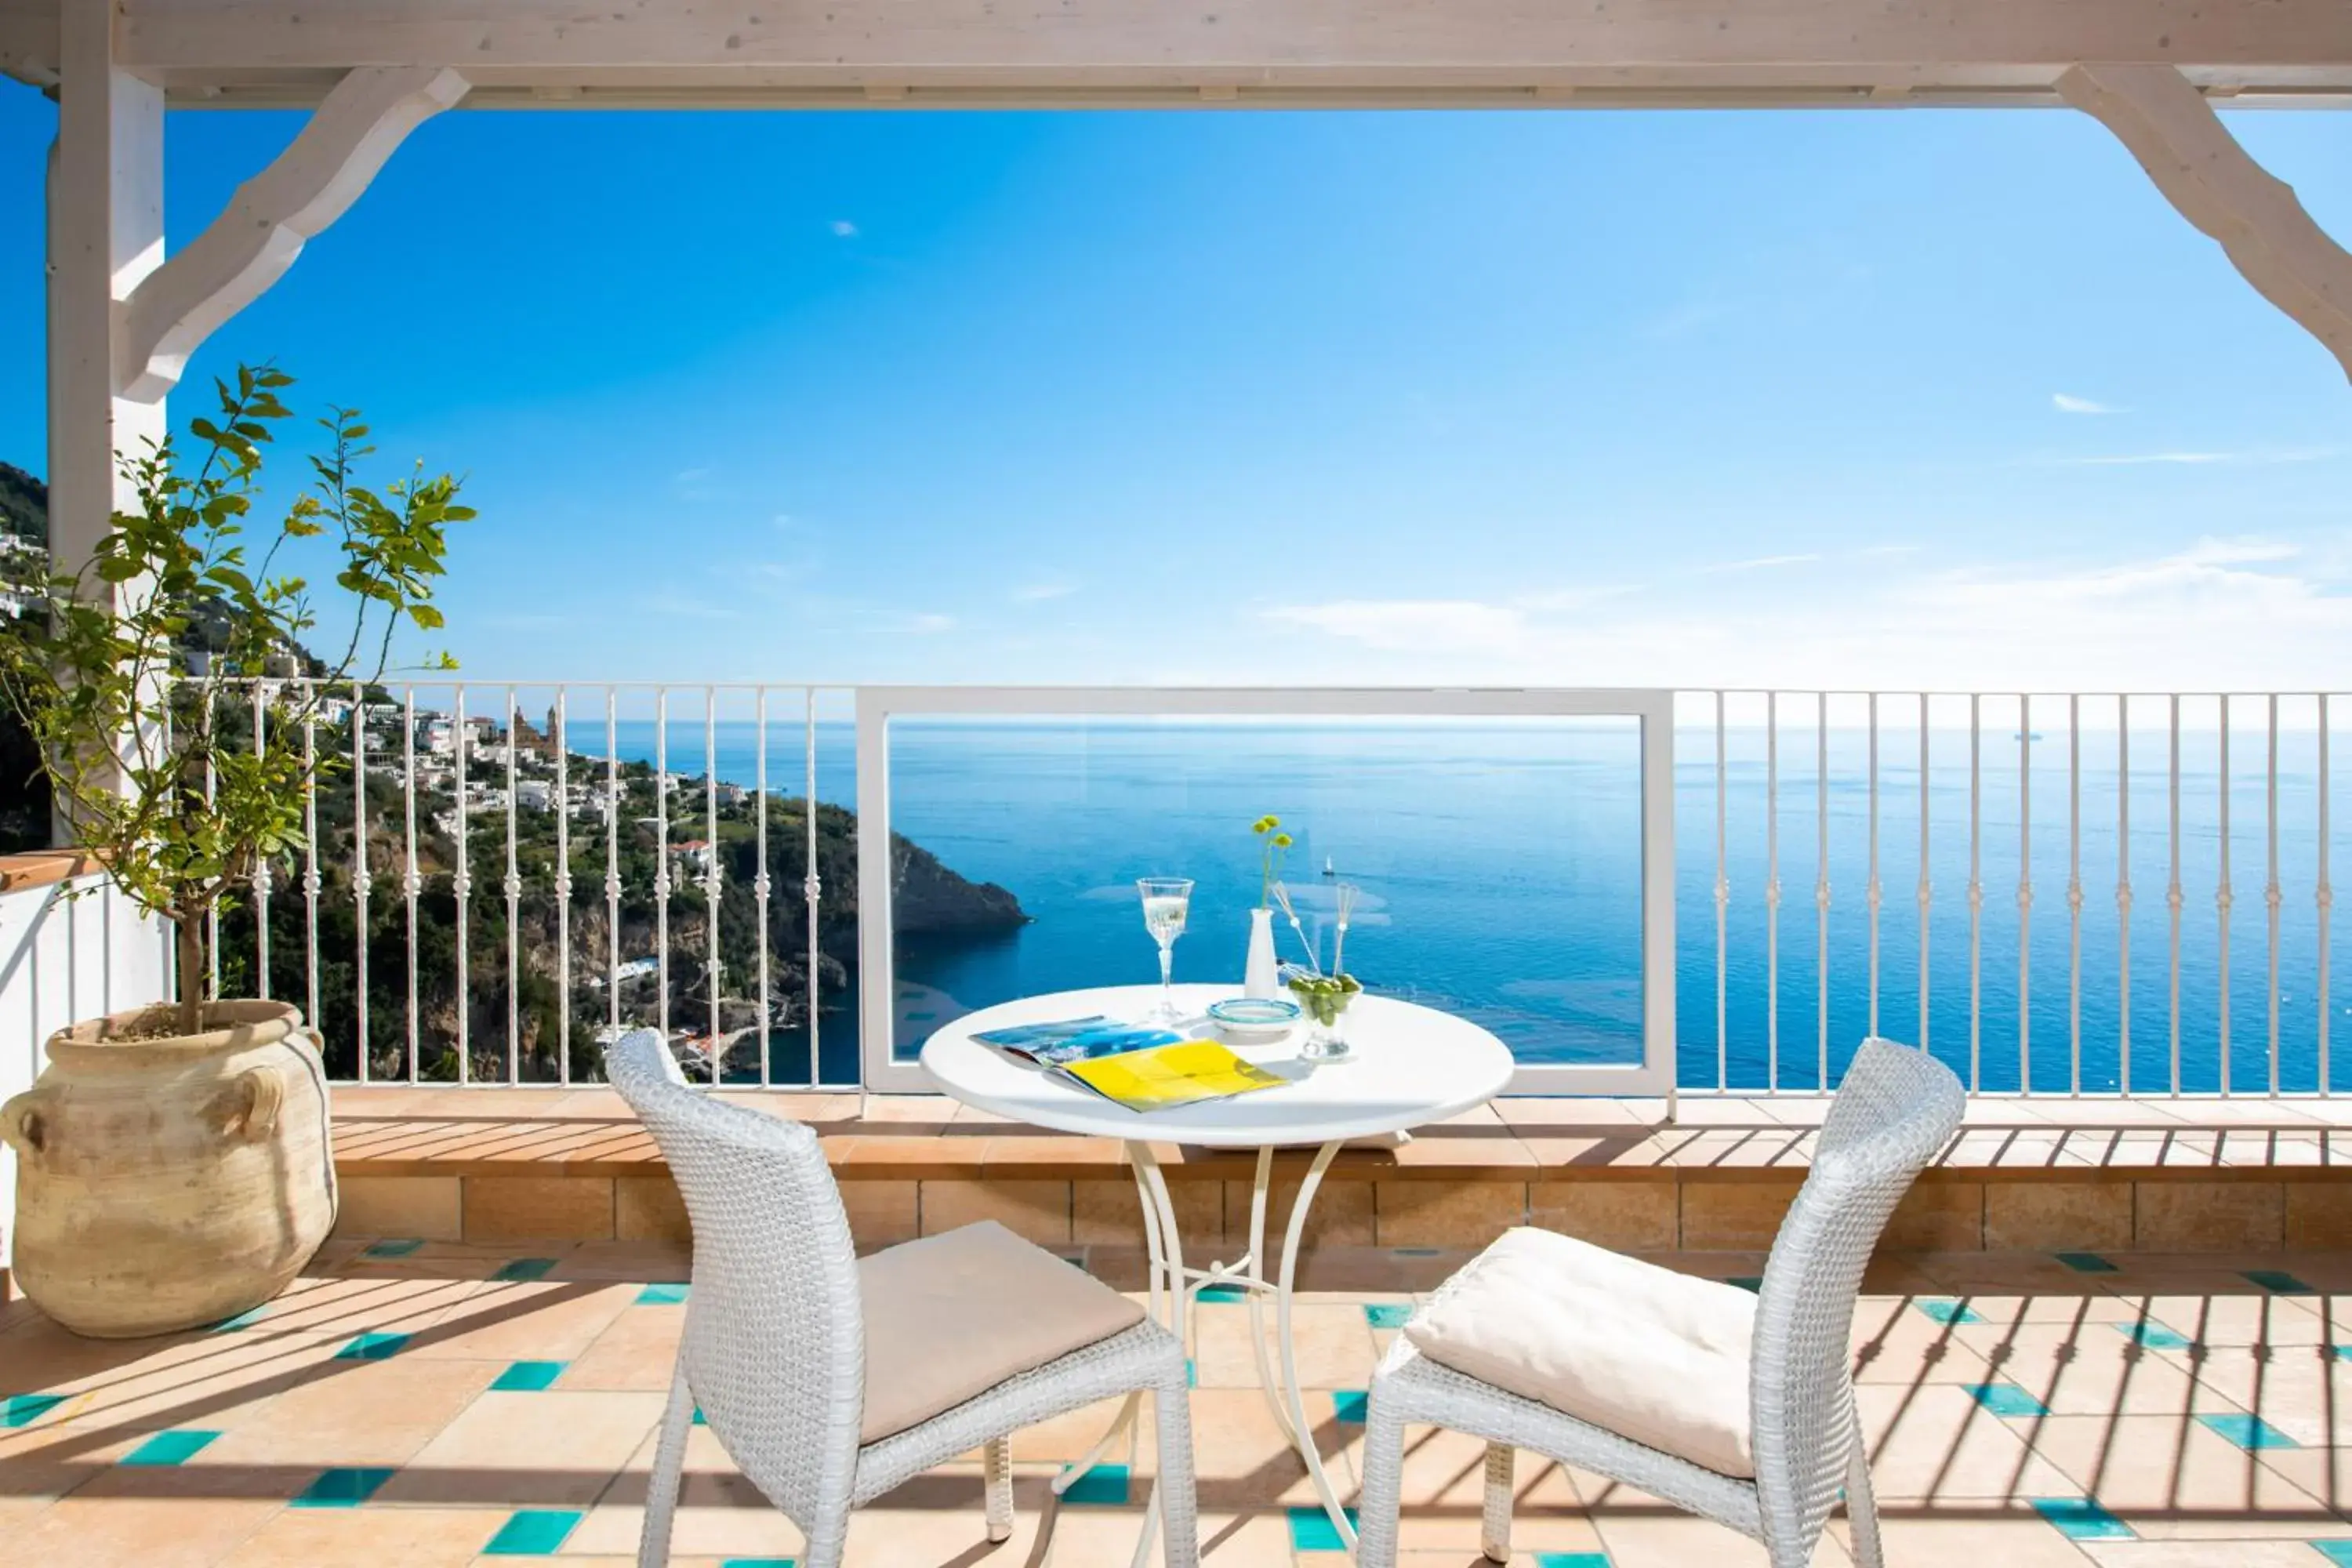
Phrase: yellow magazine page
[1162,1078]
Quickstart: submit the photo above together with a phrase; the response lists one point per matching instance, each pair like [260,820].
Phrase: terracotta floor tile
[1895,1342]
[2022,1540]
[637,1351]
[411,1537]
[719,1512]
[2171,1476]
[2199,1554]
[355,1413]
[1937,1443]
[139,1532]
[538,1321]
[1664,1540]
[552,1449]
[1335,1348]
[2091,1369]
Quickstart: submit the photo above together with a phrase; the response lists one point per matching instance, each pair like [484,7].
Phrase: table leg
[1283,1290]
[1261,1189]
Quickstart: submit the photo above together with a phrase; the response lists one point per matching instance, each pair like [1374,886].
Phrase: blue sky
[1577,397]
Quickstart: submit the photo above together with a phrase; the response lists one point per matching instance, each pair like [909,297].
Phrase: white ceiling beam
[250,246]
[2205,172]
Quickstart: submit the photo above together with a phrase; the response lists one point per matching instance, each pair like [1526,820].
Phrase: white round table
[1408,1066]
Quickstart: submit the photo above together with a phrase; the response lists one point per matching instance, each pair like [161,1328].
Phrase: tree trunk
[191,928]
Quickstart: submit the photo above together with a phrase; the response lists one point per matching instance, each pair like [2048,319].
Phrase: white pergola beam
[1108,52]
[2216,185]
[250,246]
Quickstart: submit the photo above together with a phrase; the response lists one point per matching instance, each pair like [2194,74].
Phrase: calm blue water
[1499,864]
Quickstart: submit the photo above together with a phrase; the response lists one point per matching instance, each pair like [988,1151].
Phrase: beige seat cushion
[1648,1354]
[950,1316]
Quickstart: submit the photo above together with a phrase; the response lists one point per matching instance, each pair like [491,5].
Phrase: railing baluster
[411,884]
[211,914]
[2123,892]
[363,879]
[2075,893]
[260,864]
[2172,895]
[2272,895]
[2324,897]
[2024,893]
[1722,906]
[710,883]
[661,859]
[558,736]
[1872,894]
[1822,887]
[462,886]
[513,887]
[1976,892]
[612,858]
[1926,887]
[2223,898]
[311,886]
[760,884]
[1773,890]
[812,889]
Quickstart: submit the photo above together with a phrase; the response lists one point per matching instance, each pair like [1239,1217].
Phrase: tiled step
[2050,1176]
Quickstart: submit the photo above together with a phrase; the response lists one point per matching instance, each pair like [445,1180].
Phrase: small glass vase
[1326,1014]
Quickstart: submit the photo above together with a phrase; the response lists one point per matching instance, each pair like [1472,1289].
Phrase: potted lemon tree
[173,1162]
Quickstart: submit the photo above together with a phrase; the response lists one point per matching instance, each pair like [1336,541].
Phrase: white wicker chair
[775,1346]
[1894,1111]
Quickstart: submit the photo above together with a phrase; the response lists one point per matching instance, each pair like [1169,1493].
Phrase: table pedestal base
[1173,1291]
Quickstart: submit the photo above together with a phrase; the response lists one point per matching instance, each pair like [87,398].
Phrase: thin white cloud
[671,603]
[1759,563]
[2067,403]
[2200,460]
[931,624]
[1038,592]
[1410,626]
[844,230]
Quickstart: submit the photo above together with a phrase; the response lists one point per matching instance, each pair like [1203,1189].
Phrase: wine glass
[1166,901]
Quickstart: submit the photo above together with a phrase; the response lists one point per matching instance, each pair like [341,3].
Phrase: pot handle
[22,1127]
[265,1092]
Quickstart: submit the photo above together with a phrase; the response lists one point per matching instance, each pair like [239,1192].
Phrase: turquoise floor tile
[1311,1529]
[669,1295]
[373,1346]
[526,1269]
[1191,1373]
[699,1419]
[401,1248]
[2278,1283]
[1948,1312]
[1349,1405]
[1571,1560]
[1222,1293]
[2248,1431]
[1105,1485]
[530,1376]
[1752,1282]
[2085,1262]
[1387,1314]
[532,1533]
[2081,1518]
[2007,1399]
[2337,1551]
[343,1487]
[2155,1336]
[244,1319]
[174,1447]
[23,1409]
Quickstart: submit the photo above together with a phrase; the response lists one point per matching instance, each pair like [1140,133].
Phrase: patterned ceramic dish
[1247,1018]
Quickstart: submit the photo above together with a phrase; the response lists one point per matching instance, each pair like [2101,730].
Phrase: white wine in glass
[1166,902]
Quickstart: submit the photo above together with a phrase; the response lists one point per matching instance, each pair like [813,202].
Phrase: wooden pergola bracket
[2216,185]
[249,246]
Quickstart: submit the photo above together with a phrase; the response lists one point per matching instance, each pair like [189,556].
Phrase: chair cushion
[950,1316]
[1648,1353]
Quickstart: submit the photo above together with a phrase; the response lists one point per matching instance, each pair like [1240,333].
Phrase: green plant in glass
[178,804]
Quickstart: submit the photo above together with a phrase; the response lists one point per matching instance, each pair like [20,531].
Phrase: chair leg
[1378,1501]
[1862,1506]
[1172,1406]
[996,1480]
[1495,1534]
[669,1463]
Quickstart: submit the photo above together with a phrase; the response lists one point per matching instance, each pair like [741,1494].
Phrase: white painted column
[105,234]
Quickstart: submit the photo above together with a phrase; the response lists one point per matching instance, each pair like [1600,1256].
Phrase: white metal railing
[508,849]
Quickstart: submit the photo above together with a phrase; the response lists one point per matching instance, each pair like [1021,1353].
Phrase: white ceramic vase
[1260,978]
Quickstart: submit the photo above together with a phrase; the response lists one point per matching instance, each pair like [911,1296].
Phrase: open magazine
[1140,1069]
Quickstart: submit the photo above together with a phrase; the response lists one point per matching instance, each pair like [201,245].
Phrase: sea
[1496,865]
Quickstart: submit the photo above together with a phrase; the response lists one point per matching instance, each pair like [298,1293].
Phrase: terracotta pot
[166,1183]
